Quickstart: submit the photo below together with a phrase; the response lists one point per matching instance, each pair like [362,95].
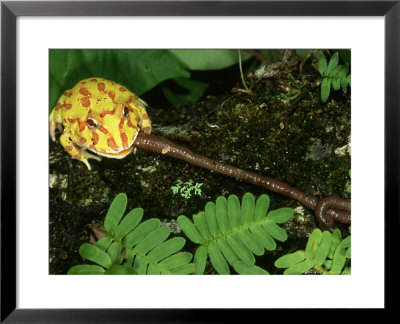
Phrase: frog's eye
[92,123]
[125,112]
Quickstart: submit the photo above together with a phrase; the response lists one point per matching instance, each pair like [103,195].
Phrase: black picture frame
[10,10]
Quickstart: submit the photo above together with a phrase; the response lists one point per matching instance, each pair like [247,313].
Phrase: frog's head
[111,133]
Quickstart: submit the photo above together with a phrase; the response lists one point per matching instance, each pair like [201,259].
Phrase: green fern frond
[231,234]
[325,252]
[132,247]
[334,74]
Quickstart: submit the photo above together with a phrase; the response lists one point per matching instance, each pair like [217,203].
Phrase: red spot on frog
[131,125]
[103,130]
[82,140]
[122,89]
[67,106]
[95,137]
[69,148]
[93,80]
[147,130]
[101,86]
[111,143]
[107,112]
[111,94]
[85,92]
[124,139]
[82,125]
[85,102]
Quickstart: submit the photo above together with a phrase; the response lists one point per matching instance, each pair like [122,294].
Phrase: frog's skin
[101,116]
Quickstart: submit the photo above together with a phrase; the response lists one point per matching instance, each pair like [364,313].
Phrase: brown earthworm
[327,210]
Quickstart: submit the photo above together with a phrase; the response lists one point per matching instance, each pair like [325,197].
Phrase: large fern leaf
[231,234]
[134,247]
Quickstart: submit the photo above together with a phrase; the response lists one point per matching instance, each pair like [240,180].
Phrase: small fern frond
[325,252]
[230,233]
[334,74]
[132,247]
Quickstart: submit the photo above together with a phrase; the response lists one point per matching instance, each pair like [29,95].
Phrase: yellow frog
[101,116]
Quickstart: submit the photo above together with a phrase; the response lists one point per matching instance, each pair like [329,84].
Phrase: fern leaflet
[325,252]
[231,234]
[334,74]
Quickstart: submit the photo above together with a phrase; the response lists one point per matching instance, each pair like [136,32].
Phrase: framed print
[198,152]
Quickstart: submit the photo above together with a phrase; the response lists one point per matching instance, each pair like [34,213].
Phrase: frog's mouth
[116,155]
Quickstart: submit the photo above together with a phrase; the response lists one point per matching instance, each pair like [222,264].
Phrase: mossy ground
[264,133]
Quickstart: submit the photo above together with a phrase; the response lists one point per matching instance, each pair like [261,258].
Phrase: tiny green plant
[230,233]
[134,247]
[294,94]
[325,252]
[186,189]
[334,74]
